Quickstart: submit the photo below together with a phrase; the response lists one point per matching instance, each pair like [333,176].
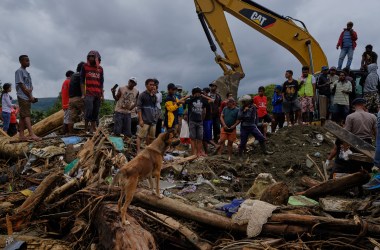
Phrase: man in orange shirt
[260,101]
[65,101]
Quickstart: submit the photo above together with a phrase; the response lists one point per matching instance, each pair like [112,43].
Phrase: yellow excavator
[280,29]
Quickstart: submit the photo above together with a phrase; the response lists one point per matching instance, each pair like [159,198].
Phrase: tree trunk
[114,235]
[12,150]
[47,125]
[338,185]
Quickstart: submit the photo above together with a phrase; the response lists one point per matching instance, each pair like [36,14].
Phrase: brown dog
[147,164]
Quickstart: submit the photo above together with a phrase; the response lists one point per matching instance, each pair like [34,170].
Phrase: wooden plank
[360,157]
[354,141]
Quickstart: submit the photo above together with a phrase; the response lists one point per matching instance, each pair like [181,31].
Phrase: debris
[232,207]
[255,214]
[354,141]
[261,182]
[334,204]
[276,194]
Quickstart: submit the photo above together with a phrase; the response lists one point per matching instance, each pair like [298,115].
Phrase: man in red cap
[92,80]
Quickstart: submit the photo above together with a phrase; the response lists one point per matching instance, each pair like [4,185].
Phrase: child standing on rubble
[6,101]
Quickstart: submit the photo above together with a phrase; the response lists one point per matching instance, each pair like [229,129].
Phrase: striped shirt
[92,77]
[342,98]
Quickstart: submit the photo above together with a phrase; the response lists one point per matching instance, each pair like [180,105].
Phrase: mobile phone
[115,86]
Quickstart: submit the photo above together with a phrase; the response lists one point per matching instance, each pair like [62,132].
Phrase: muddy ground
[233,178]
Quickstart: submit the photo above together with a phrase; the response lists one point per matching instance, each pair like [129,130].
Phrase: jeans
[245,131]
[343,52]
[6,120]
[122,124]
[377,152]
[340,112]
[91,108]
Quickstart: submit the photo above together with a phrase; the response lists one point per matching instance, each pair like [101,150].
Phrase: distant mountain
[44,104]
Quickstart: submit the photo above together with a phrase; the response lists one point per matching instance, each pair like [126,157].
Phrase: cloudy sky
[163,39]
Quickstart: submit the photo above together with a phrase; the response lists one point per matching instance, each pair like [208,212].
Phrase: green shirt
[230,116]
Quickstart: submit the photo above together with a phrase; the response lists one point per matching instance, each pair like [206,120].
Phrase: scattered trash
[232,207]
[117,142]
[300,200]
[188,189]
[71,140]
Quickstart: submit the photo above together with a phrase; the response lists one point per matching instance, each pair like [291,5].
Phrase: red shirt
[65,93]
[222,105]
[14,115]
[261,104]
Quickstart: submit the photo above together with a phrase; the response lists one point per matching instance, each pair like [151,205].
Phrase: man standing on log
[92,79]
[147,113]
[76,104]
[126,100]
[65,101]
[25,98]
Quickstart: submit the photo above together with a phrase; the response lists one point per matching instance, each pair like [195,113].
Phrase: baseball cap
[134,79]
[324,68]
[359,101]
[179,86]
[333,68]
[206,89]
[172,86]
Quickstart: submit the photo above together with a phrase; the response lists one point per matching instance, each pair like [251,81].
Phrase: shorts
[66,116]
[76,106]
[266,118]
[25,107]
[229,136]
[91,108]
[147,130]
[372,99]
[207,130]
[12,130]
[185,141]
[291,106]
[307,104]
[196,130]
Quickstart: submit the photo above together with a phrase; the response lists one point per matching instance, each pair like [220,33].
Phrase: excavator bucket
[229,83]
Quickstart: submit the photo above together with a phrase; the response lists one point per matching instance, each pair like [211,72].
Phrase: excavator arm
[282,30]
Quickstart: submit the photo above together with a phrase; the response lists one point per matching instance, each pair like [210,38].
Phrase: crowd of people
[204,120]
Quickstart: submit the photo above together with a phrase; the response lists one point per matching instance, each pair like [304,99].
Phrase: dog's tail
[114,181]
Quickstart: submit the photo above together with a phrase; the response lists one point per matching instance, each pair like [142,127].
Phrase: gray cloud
[162,39]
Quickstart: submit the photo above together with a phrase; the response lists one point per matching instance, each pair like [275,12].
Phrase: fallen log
[114,235]
[47,125]
[338,185]
[59,190]
[278,224]
[30,204]
[309,182]
[185,231]
[10,150]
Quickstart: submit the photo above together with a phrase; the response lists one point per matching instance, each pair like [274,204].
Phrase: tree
[107,108]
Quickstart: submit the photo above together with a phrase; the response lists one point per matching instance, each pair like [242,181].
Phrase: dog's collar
[153,149]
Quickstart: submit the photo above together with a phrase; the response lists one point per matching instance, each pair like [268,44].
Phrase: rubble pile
[58,196]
